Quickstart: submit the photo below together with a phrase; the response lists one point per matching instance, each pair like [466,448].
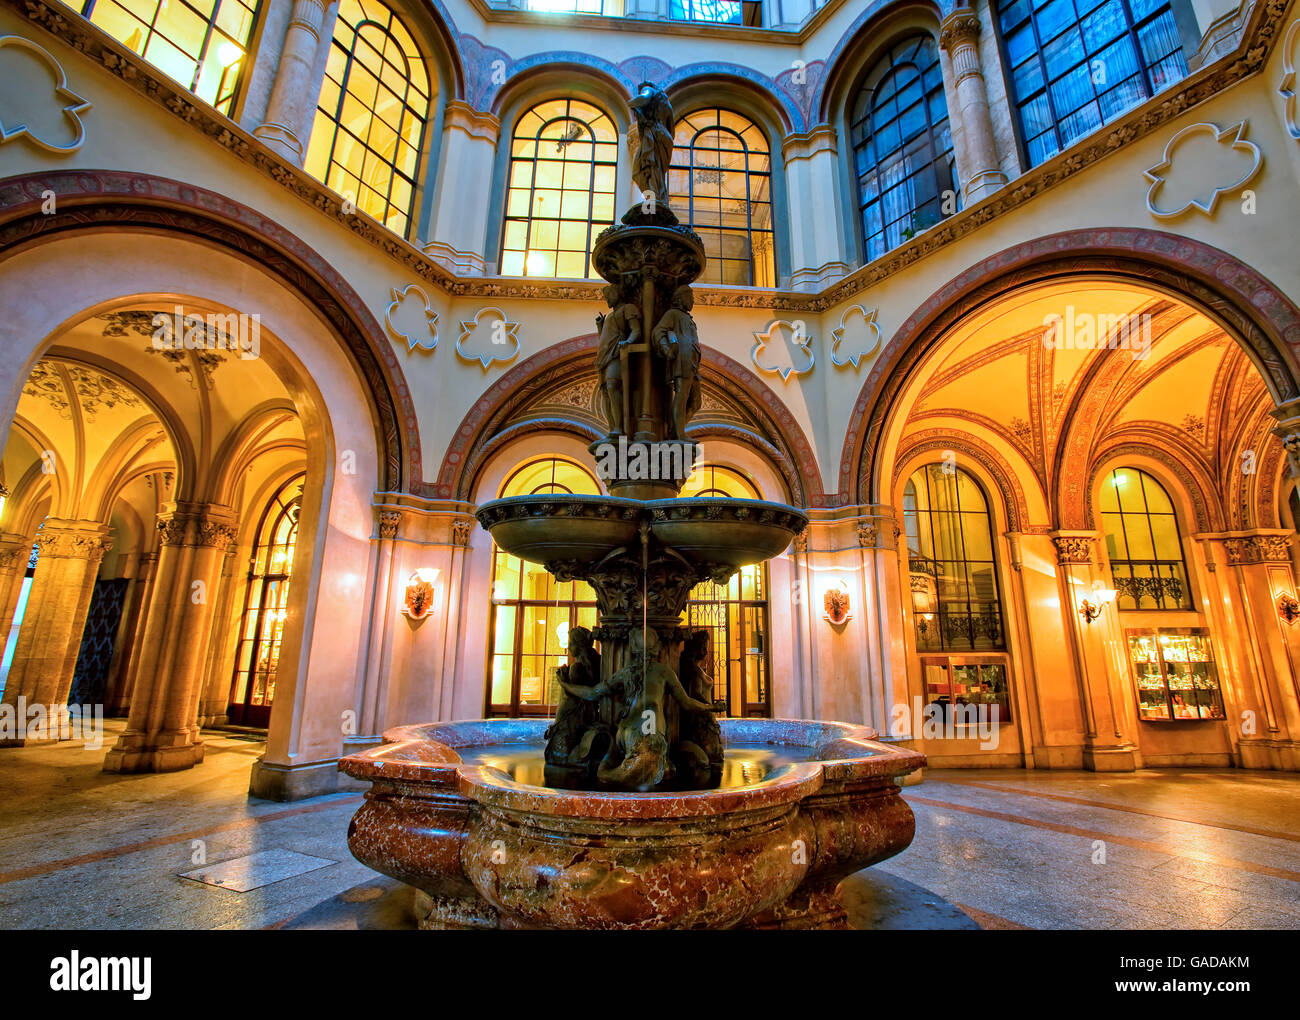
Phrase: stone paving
[1184,848]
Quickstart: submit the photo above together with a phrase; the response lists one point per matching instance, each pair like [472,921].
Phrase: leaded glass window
[1143,543]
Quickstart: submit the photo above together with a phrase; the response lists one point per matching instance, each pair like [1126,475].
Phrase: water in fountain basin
[742,764]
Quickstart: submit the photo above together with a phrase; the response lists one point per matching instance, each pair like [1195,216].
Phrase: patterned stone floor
[994,849]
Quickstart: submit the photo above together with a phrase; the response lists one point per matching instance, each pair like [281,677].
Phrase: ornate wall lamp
[420,591]
[1091,608]
[1288,608]
[925,594]
[838,604]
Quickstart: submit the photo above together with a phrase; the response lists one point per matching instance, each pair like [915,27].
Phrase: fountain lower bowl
[489,851]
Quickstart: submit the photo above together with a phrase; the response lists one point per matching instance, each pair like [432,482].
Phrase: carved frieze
[1257,549]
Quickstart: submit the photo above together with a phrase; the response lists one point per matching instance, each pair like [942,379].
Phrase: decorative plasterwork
[72,545]
[415,323]
[856,337]
[1206,203]
[1263,28]
[766,353]
[196,528]
[1073,548]
[73,106]
[1257,549]
[460,532]
[489,337]
[388,522]
[1287,87]
[94,391]
[208,358]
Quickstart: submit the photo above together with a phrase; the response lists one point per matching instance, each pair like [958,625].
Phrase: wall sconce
[1288,608]
[1090,609]
[925,594]
[419,593]
[837,603]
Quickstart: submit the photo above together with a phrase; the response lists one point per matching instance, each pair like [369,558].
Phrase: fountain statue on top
[638,713]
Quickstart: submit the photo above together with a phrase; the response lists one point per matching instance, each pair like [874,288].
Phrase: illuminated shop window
[1142,542]
[374,104]
[257,652]
[532,612]
[902,147]
[200,43]
[721,173]
[954,585]
[1173,670]
[564,155]
[1078,64]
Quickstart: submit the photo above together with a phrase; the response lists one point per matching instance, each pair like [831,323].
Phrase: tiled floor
[1194,849]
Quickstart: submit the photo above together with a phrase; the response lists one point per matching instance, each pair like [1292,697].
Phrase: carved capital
[73,545]
[1257,549]
[460,532]
[217,534]
[960,28]
[388,522]
[868,535]
[1073,548]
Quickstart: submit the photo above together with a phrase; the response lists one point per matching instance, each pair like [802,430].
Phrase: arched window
[722,172]
[950,556]
[902,148]
[532,613]
[1078,64]
[261,627]
[1142,542]
[563,158]
[374,104]
[199,43]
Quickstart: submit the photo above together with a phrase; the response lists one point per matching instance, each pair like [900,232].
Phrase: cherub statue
[654,142]
[573,716]
[699,733]
[621,326]
[676,339]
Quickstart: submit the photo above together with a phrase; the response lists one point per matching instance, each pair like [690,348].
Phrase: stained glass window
[200,43]
[563,161]
[374,105]
[721,175]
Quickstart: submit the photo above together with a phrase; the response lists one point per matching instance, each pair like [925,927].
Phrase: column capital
[807,144]
[197,524]
[80,540]
[1257,547]
[1073,547]
[960,27]
[480,124]
[388,522]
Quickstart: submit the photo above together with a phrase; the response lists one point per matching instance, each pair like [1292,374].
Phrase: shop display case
[964,680]
[1174,675]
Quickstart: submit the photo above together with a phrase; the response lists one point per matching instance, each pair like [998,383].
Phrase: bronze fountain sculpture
[636,826]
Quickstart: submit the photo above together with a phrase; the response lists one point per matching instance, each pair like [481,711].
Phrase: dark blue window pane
[1073,90]
[1063,53]
[1055,18]
[1079,124]
[1123,97]
[1104,26]
[1020,44]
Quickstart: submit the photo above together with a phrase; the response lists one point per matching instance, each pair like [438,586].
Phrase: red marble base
[490,852]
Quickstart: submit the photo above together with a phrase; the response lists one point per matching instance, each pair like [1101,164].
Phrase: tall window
[1142,542]
[902,147]
[200,43]
[718,12]
[722,171]
[954,582]
[374,104]
[735,614]
[261,628]
[1078,64]
[561,193]
[532,613]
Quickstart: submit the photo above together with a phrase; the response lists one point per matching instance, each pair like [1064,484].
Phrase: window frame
[1189,594]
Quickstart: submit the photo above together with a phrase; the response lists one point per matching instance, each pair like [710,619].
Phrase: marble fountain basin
[802,806]
[583,529]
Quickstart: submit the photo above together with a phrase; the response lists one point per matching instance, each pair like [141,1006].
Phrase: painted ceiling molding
[1204,195]
[72,105]
[1262,31]
[410,320]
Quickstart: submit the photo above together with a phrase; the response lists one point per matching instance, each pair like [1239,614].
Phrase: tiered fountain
[650,814]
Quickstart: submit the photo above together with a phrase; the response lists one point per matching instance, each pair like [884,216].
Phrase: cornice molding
[1263,28]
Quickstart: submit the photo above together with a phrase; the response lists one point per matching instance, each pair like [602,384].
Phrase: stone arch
[750,92]
[1193,487]
[97,200]
[1251,309]
[767,422]
[978,452]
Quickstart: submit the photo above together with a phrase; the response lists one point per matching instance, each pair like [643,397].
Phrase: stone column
[15,553]
[959,36]
[816,215]
[1263,584]
[458,234]
[1106,746]
[50,638]
[162,728]
[295,92]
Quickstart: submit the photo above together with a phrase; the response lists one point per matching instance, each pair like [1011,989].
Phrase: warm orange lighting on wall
[421,587]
